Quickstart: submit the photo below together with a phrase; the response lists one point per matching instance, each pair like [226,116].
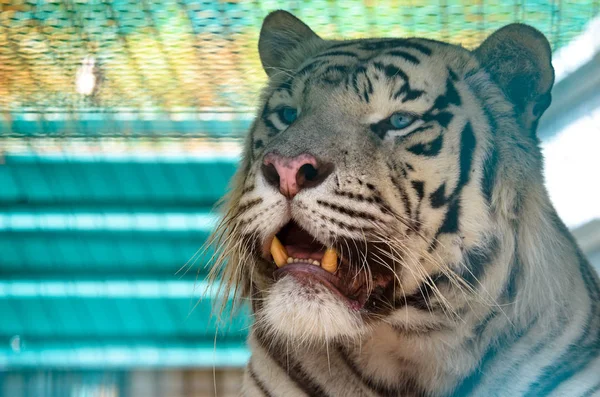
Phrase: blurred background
[120,126]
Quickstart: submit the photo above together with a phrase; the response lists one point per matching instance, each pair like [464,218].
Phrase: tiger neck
[528,306]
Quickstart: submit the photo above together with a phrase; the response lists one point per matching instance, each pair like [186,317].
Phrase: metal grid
[200,56]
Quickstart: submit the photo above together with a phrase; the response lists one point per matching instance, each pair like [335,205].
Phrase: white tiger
[390,225]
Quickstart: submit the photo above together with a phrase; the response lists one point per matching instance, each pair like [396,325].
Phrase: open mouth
[297,253]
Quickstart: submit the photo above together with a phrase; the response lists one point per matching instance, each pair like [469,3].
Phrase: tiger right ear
[518,58]
[280,35]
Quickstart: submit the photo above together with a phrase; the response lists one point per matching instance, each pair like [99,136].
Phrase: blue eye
[401,120]
[288,115]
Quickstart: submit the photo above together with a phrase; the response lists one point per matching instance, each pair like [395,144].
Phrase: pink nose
[292,174]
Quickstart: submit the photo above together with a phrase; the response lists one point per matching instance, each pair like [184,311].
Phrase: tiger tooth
[280,255]
[290,259]
[329,261]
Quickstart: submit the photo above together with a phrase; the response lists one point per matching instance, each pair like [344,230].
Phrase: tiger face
[368,190]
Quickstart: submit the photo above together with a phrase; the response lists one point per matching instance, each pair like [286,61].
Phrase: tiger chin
[390,226]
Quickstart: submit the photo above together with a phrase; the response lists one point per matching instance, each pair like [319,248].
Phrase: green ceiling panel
[80,311]
[46,180]
[110,255]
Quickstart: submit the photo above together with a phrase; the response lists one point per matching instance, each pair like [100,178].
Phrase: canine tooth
[278,252]
[329,261]
[290,259]
[316,263]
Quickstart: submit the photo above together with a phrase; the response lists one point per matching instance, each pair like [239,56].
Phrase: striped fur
[490,294]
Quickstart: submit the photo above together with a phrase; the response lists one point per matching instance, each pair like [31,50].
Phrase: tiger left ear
[518,58]
[281,35]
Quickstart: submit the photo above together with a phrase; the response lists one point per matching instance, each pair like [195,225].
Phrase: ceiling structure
[119,130]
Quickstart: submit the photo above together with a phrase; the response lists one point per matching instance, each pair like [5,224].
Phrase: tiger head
[377,174]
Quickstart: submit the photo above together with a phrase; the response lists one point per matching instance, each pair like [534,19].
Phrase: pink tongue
[303,252]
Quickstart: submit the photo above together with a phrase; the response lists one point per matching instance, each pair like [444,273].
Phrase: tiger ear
[518,58]
[280,35]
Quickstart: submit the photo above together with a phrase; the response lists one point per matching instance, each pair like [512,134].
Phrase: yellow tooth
[329,261]
[278,252]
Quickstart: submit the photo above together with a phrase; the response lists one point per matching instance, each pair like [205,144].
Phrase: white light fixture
[85,78]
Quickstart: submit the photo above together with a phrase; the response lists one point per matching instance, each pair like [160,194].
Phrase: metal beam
[573,97]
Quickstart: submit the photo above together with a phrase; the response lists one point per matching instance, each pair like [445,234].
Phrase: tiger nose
[292,174]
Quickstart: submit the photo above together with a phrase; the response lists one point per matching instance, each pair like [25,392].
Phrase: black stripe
[429,149]
[477,259]
[268,123]
[488,181]
[490,164]
[452,74]
[468,384]
[419,188]
[438,197]
[580,352]
[509,292]
[252,136]
[416,46]
[334,74]
[481,327]
[393,72]
[403,196]
[405,55]
[442,118]
[358,71]
[347,211]
[415,131]
[411,94]
[289,365]
[369,87]
[357,196]
[310,67]
[385,44]
[407,385]
[336,68]
[421,299]
[450,224]
[548,340]
[467,149]
[418,330]
[248,189]
[370,383]
[259,383]
[336,54]
[252,203]
[450,97]
[407,93]
[286,86]
[346,226]
[592,390]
